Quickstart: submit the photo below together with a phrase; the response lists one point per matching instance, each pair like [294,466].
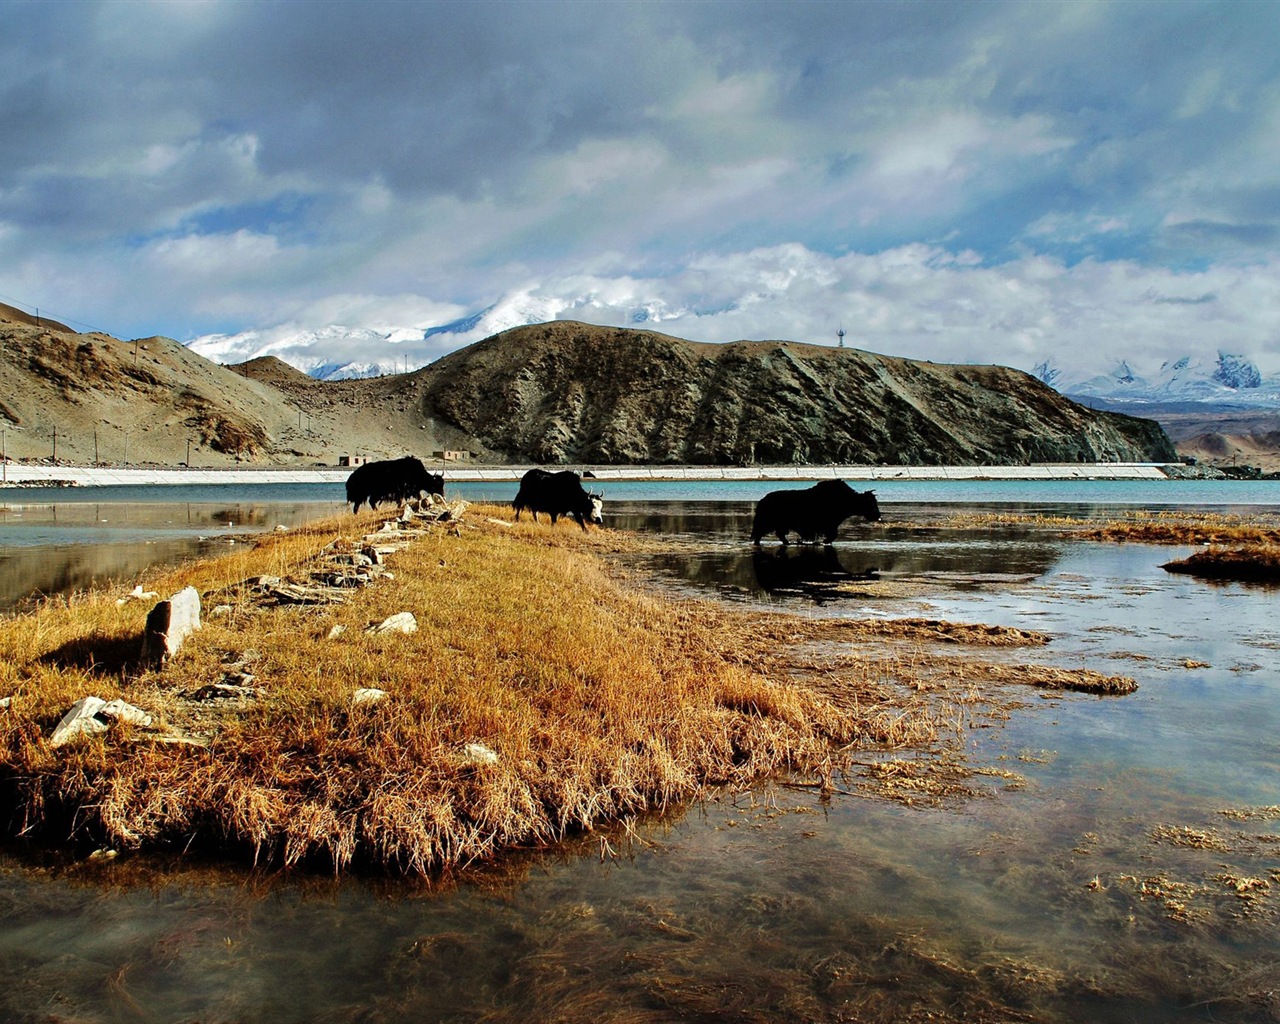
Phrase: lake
[60,540]
[1122,864]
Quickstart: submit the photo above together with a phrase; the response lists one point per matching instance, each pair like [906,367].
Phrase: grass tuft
[1251,563]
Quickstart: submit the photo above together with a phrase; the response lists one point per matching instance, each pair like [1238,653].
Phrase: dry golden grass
[598,702]
[1140,525]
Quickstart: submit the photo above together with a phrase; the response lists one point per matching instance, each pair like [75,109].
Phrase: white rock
[368,695]
[337,631]
[137,594]
[478,753]
[124,712]
[400,622]
[169,623]
[90,716]
[80,720]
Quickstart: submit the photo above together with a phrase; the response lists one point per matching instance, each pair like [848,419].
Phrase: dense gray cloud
[196,167]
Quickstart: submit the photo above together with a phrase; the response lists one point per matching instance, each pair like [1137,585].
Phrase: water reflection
[718,554]
[30,573]
[63,547]
[817,571]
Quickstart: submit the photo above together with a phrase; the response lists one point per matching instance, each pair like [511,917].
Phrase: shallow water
[60,547]
[1070,893]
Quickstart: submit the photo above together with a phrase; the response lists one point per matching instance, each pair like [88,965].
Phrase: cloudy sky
[968,182]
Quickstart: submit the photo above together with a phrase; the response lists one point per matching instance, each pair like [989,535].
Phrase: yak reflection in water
[815,571]
[951,560]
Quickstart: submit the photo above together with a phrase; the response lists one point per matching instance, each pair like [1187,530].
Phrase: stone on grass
[137,594]
[368,695]
[90,716]
[168,624]
[400,622]
[478,753]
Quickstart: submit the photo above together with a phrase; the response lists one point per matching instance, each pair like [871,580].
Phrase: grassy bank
[1257,563]
[537,697]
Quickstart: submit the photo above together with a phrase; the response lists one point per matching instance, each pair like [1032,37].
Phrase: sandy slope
[90,398]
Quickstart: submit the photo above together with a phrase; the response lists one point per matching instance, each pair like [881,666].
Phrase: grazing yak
[813,512]
[391,480]
[557,494]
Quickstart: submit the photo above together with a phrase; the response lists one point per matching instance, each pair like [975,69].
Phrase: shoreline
[19,475]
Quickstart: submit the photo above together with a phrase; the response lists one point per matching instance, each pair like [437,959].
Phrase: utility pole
[188,453]
[95,446]
[55,446]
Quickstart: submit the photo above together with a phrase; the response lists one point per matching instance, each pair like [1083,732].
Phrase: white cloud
[916,301]
[932,178]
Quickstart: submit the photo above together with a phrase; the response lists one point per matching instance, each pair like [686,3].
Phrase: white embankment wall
[105,476]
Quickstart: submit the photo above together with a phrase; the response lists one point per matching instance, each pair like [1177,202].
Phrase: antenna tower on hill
[840,335]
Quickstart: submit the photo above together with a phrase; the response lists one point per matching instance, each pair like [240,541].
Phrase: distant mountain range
[1231,382]
[338,352]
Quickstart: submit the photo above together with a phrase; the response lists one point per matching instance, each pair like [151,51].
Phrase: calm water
[1074,895]
[57,541]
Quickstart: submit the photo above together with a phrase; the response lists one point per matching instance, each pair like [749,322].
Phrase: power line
[18,303]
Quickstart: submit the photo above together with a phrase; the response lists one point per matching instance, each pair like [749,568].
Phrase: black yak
[392,480]
[813,512]
[557,494]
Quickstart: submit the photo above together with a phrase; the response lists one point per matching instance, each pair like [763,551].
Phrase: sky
[961,182]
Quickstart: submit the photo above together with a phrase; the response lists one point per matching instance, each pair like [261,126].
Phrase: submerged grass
[1139,526]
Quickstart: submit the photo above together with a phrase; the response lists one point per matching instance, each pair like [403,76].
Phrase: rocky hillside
[558,392]
[569,392]
[87,394]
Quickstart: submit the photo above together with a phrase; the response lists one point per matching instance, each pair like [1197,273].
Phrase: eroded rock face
[566,392]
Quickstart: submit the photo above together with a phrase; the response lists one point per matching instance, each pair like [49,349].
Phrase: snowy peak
[339,352]
[1232,378]
[1236,372]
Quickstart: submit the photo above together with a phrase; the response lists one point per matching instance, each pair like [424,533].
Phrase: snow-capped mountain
[340,352]
[1232,380]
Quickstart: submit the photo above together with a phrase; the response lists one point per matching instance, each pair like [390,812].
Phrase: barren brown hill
[557,392]
[571,392]
[1218,449]
[16,315]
